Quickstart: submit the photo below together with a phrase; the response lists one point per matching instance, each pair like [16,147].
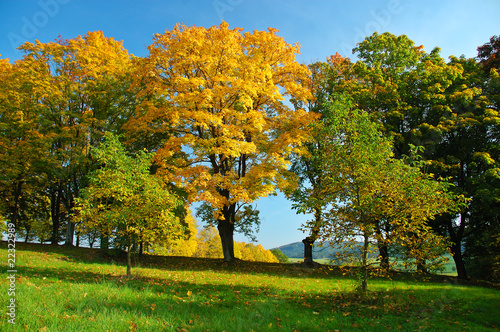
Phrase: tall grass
[66,289]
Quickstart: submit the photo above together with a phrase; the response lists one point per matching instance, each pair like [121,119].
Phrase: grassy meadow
[75,289]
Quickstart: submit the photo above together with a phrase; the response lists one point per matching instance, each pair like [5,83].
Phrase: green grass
[66,289]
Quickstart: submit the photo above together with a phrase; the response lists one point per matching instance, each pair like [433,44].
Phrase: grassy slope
[61,289]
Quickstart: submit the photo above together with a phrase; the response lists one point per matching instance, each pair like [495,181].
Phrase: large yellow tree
[223,95]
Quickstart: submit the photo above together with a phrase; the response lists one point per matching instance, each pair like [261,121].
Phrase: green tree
[308,194]
[281,257]
[365,184]
[421,100]
[125,201]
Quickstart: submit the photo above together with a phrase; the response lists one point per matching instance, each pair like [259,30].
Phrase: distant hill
[296,250]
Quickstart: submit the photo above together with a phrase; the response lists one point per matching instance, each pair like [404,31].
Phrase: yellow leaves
[484,157]
[223,90]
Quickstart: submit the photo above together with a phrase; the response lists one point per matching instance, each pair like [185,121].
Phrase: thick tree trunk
[308,250]
[226,231]
[104,242]
[456,251]
[383,250]
[309,241]
[421,266]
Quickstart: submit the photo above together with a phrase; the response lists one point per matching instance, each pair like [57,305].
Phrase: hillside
[61,288]
[296,250]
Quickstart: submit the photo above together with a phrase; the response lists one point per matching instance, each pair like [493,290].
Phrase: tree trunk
[309,241]
[129,261]
[308,246]
[421,266]
[364,267]
[456,247]
[55,214]
[70,234]
[456,251]
[17,198]
[383,250]
[104,242]
[226,231]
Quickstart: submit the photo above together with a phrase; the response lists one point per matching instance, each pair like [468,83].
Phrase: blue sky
[321,27]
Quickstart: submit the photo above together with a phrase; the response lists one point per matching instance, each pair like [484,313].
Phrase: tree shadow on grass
[176,263]
[181,304]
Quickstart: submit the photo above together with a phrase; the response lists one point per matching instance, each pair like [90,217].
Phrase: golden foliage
[221,93]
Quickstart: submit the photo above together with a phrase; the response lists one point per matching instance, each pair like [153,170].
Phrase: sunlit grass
[63,289]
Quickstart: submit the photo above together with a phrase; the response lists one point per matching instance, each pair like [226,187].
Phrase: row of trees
[428,120]
[397,149]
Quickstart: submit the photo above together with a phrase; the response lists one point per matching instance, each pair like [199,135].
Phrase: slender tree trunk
[129,261]
[55,213]
[70,234]
[17,198]
[364,267]
[456,247]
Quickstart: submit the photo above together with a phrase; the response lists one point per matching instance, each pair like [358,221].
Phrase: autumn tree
[489,54]
[365,184]
[23,142]
[183,246]
[79,87]
[125,201]
[209,244]
[221,95]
